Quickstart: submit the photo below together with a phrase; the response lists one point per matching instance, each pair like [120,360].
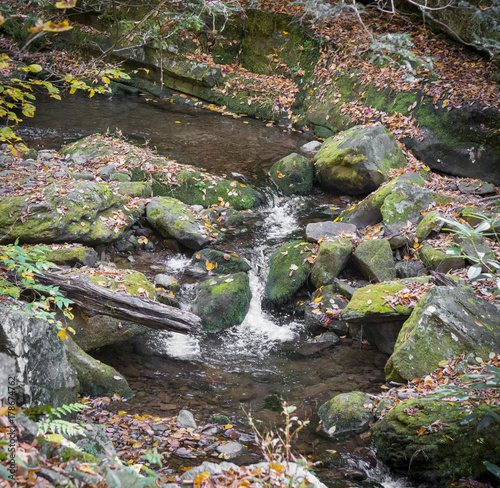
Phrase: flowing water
[250,367]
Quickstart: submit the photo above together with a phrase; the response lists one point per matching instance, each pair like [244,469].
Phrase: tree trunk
[98,300]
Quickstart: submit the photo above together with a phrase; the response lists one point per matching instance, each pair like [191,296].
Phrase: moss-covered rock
[453,450]
[86,214]
[431,222]
[369,311]
[134,283]
[96,378]
[358,160]
[293,175]
[447,322]
[172,218]
[288,272]
[69,453]
[438,260]
[223,301]
[375,260]
[198,188]
[135,189]
[367,211]
[101,330]
[332,257]
[345,414]
[219,262]
[67,254]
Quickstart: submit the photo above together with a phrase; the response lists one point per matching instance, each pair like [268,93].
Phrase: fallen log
[94,299]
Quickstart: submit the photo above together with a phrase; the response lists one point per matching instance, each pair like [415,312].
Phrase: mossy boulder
[375,260]
[174,219]
[345,415]
[96,378]
[134,283]
[135,189]
[431,222]
[288,272]
[438,260]
[67,254]
[219,262]
[367,211]
[293,175]
[369,312]
[447,322]
[358,160]
[222,301]
[453,450]
[321,312]
[198,188]
[323,230]
[332,257]
[87,214]
[102,330]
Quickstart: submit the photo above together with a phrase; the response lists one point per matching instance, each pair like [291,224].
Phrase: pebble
[186,419]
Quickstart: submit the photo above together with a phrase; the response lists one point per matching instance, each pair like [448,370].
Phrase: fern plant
[48,419]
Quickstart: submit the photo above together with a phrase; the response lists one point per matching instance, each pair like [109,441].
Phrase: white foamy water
[281,217]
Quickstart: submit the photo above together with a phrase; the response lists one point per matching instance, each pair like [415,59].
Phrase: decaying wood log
[95,299]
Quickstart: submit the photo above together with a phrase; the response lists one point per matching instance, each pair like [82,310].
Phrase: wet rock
[86,210]
[311,147]
[288,272]
[223,262]
[452,451]
[322,314]
[42,371]
[293,175]
[332,258]
[167,281]
[222,301]
[318,344]
[231,450]
[345,414]
[168,298]
[367,212]
[438,260]
[186,420]
[447,322]
[375,260]
[69,255]
[477,188]
[357,161]
[172,218]
[96,378]
[323,230]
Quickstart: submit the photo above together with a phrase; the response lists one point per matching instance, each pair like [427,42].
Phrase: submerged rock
[447,322]
[222,301]
[293,175]
[358,160]
[452,450]
[345,414]
[288,271]
[323,312]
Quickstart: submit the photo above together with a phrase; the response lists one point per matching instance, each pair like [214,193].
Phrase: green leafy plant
[484,264]
[18,270]
[48,419]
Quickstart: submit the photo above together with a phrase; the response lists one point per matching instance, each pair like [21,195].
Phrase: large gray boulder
[175,219]
[323,230]
[42,372]
[447,322]
[332,257]
[90,213]
[293,175]
[357,161]
[375,260]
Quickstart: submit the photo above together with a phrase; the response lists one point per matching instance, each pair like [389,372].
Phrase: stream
[250,367]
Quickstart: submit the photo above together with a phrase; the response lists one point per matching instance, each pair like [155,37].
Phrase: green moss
[288,272]
[224,262]
[133,282]
[68,453]
[223,301]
